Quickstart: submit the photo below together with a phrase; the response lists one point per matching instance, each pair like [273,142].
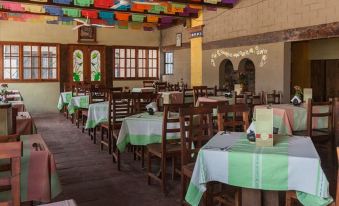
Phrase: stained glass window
[95,66]
[78,66]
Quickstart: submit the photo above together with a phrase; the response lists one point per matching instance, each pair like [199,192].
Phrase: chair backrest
[199,91]
[119,108]
[317,110]
[147,83]
[161,87]
[140,100]
[12,151]
[81,89]
[171,124]
[226,122]
[239,98]
[273,98]
[196,128]
[98,95]
[116,89]
[188,94]
[68,86]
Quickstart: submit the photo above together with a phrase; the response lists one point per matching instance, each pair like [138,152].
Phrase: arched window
[226,75]
[247,75]
[95,66]
[78,66]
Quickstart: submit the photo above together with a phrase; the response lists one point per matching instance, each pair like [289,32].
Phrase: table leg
[250,197]
[270,198]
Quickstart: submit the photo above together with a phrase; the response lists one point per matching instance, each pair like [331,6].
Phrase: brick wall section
[249,17]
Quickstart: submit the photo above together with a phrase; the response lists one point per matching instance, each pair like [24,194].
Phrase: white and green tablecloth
[288,118]
[64,98]
[143,129]
[97,113]
[292,164]
[78,102]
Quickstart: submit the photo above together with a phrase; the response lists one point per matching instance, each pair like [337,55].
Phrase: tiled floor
[89,176]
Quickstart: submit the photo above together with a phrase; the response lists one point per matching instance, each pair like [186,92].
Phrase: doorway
[87,64]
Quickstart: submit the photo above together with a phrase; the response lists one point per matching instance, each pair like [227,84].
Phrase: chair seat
[104,125]
[227,196]
[188,169]
[157,150]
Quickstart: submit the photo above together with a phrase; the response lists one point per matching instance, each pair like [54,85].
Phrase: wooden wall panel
[300,65]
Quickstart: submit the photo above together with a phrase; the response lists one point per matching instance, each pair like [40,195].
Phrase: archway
[226,75]
[246,75]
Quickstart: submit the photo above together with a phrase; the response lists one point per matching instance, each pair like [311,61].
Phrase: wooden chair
[12,135]
[166,149]
[140,100]
[188,94]
[193,134]
[239,98]
[12,151]
[117,89]
[199,91]
[119,108]
[273,98]
[148,83]
[233,123]
[161,87]
[96,95]
[80,90]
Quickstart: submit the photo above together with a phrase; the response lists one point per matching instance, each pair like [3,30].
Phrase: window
[78,66]
[28,62]
[135,63]
[48,62]
[95,66]
[168,62]
[11,61]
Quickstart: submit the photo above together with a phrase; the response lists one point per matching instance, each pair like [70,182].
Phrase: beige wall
[249,17]
[182,67]
[41,32]
[45,94]
[273,75]
[39,97]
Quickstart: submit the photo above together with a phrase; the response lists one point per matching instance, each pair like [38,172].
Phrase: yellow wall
[196,54]
[42,97]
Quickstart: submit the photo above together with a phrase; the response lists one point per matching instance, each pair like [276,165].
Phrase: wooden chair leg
[183,187]
[163,175]
[173,168]
[109,143]
[134,152]
[142,156]
[102,139]
[95,135]
[288,199]
[149,167]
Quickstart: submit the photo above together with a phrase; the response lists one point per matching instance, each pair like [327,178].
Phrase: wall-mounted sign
[196,31]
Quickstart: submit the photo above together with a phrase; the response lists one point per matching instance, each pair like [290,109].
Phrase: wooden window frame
[166,63]
[136,63]
[21,59]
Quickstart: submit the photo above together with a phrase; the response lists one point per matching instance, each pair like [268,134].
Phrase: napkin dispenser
[152,107]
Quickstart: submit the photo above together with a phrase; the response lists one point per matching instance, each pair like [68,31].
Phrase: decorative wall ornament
[241,54]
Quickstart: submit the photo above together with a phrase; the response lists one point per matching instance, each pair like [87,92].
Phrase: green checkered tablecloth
[143,129]
[78,102]
[97,113]
[64,98]
[292,164]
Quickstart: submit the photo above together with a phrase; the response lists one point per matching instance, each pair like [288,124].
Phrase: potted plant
[3,92]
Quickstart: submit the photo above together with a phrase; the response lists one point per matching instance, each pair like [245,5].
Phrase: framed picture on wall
[87,34]
[178,39]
